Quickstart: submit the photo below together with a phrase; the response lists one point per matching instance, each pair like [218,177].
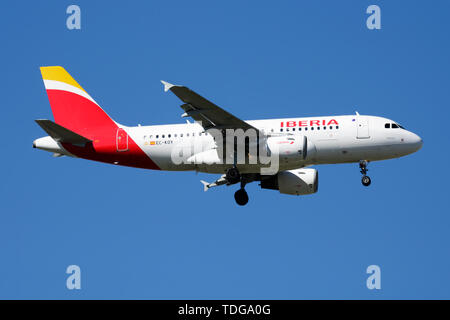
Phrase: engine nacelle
[296,182]
[290,148]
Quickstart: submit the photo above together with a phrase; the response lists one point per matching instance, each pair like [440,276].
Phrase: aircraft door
[121,140]
[362,124]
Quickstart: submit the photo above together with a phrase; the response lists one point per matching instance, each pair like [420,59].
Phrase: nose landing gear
[365,178]
[366,181]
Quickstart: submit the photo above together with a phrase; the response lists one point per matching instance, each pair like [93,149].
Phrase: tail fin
[72,107]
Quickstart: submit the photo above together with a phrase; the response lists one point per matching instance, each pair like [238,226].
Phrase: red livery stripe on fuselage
[86,118]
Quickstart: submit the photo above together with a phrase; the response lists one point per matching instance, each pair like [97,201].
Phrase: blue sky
[140,234]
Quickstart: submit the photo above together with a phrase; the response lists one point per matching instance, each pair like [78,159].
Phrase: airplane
[285,148]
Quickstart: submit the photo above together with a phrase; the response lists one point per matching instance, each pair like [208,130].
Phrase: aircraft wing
[206,185]
[204,111]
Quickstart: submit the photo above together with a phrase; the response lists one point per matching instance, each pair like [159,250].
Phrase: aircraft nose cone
[416,141]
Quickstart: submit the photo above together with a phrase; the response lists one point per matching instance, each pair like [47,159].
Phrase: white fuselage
[274,152]
[336,139]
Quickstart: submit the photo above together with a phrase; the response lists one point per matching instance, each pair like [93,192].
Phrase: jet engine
[290,148]
[296,182]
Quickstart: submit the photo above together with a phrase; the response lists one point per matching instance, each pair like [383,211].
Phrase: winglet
[167,85]
[205,185]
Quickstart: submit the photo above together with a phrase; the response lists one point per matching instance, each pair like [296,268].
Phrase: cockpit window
[393,126]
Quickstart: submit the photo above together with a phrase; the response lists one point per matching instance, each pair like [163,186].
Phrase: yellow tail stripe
[59,74]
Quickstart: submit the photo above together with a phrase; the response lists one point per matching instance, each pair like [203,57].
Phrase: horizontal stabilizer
[61,134]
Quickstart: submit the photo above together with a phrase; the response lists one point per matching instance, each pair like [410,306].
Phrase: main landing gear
[365,178]
[233,176]
[241,197]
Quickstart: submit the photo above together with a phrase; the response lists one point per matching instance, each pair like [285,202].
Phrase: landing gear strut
[365,178]
[233,176]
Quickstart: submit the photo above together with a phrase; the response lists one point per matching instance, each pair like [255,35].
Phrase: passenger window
[162,136]
[318,128]
[387,125]
[306,129]
[324,128]
[281,130]
[394,126]
[181,135]
[175,135]
[293,129]
[331,127]
[157,136]
[287,129]
[337,127]
[312,128]
[187,134]
[168,136]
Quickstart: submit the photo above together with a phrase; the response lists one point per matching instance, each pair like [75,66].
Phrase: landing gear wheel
[366,181]
[241,197]
[233,175]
